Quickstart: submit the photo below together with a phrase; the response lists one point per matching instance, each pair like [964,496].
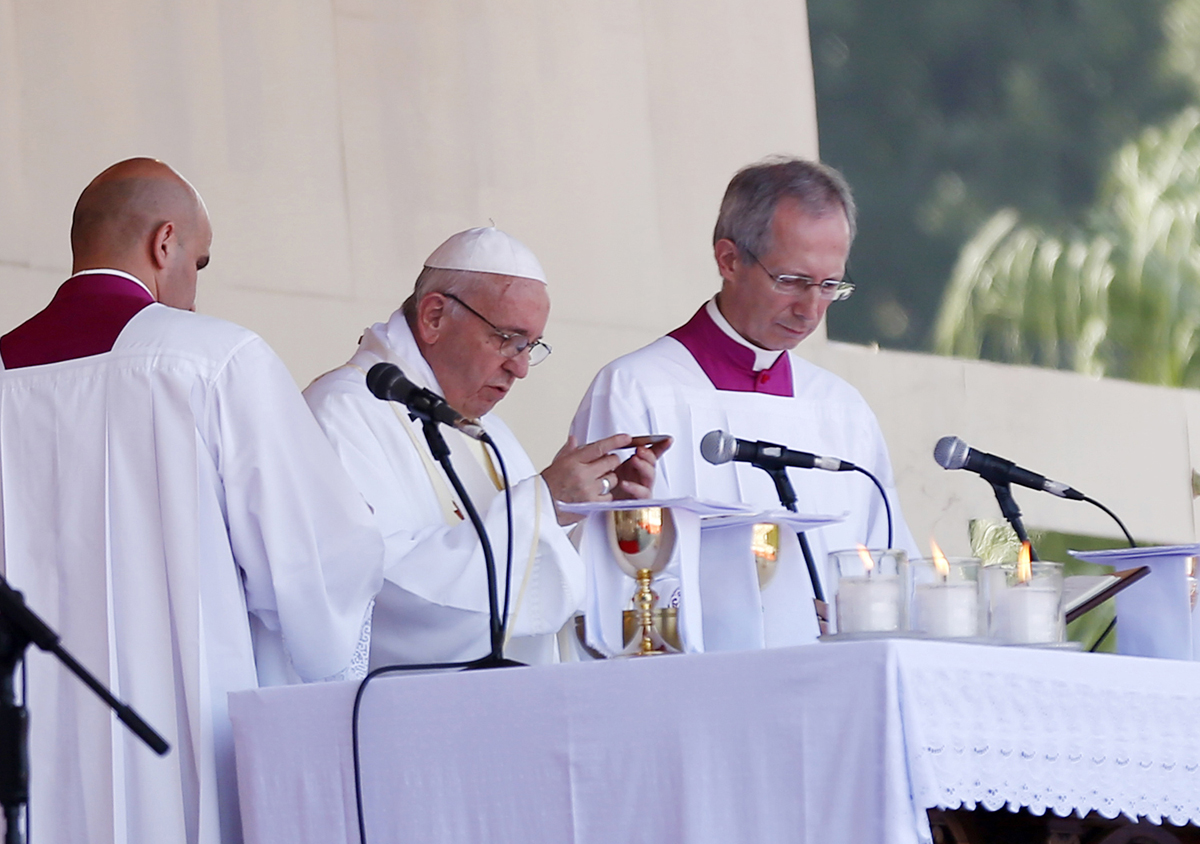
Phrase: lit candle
[946,607]
[868,603]
[1027,611]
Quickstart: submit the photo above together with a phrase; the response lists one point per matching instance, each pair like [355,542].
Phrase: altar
[845,741]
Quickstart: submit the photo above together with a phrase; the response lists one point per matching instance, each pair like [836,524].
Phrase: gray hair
[754,192]
[437,280]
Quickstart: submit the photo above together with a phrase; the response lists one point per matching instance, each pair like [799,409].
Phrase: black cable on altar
[377,381]
[491,660]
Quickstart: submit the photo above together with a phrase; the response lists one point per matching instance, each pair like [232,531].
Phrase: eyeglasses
[511,345]
[794,285]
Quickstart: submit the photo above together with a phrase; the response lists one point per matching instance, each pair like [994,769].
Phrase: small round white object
[604,490]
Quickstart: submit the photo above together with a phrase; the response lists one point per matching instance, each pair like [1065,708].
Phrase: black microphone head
[384,378]
[951,453]
[718,447]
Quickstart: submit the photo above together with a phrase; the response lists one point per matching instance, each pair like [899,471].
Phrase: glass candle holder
[870,595]
[1025,608]
[944,598]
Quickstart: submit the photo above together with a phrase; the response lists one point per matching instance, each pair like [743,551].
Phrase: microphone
[718,447]
[388,382]
[953,453]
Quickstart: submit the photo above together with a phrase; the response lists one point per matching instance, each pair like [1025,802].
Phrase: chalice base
[647,638]
[657,645]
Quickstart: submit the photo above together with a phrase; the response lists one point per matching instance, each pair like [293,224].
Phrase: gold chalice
[642,540]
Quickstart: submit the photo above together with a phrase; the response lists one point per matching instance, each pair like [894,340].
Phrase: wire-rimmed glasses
[511,345]
[834,290]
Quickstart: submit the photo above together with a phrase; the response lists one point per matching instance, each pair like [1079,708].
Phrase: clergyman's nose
[519,365]
[808,304]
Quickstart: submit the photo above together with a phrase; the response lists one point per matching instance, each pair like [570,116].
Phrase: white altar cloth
[847,741]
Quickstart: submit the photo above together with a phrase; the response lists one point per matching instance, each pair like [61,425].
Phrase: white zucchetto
[487,250]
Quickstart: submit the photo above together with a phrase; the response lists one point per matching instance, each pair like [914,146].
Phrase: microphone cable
[508,508]
[493,656]
[1120,524]
[886,504]
[951,452]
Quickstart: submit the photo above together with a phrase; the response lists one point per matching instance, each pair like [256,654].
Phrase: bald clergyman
[472,326]
[169,506]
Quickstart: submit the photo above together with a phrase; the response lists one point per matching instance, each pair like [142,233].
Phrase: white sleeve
[616,403]
[610,406]
[443,564]
[302,535]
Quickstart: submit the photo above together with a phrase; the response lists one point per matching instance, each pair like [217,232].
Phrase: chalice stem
[646,600]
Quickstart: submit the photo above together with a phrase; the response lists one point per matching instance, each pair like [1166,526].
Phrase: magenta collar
[84,318]
[728,364]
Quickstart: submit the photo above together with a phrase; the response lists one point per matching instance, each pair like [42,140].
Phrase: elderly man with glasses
[472,326]
[781,244]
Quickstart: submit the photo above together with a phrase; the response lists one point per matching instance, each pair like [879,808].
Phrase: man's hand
[584,473]
[636,475]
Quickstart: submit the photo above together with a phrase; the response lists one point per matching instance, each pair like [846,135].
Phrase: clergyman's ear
[431,317]
[161,244]
[728,257]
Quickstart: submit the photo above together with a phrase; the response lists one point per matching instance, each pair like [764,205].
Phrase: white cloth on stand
[151,497]
[661,389]
[434,605]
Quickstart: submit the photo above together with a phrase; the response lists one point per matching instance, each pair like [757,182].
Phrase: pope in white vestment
[433,605]
[471,328]
[169,506]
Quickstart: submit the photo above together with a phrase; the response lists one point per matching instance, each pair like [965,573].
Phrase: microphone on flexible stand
[719,447]
[21,627]
[388,382]
[953,453]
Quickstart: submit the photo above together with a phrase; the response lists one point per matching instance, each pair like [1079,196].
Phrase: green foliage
[941,112]
[1120,296]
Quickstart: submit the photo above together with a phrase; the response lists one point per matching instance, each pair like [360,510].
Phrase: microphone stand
[1011,512]
[19,628]
[787,497]
[441,453]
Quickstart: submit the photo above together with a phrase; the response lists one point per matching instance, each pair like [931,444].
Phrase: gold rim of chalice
[642,538]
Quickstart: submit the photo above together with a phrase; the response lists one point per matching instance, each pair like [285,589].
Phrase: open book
[1083,592]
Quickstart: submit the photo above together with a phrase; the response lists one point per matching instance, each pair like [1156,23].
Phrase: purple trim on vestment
[84,318]
[729,364]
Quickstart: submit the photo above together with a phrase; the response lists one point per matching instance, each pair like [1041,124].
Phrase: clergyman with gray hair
[781,244]
[471,328]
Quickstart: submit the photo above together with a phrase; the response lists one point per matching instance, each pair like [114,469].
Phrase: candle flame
[868,562]
[939,559]
[1024,567]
